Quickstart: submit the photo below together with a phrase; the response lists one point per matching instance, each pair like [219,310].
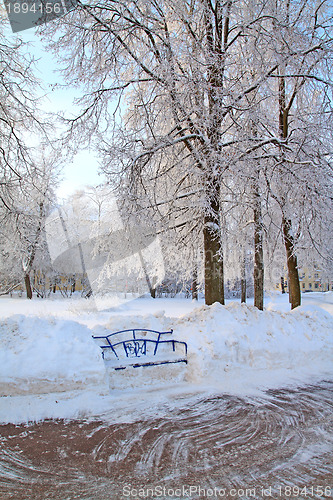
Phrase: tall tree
[168,94]
[303,48]
[23,236]
[177,69]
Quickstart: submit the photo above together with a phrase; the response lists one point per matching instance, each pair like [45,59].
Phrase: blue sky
[84,168]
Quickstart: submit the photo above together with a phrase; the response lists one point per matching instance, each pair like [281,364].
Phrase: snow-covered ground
[50,367]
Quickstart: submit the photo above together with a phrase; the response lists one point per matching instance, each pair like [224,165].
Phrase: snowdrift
[237,346]
[233,348]
[43,355]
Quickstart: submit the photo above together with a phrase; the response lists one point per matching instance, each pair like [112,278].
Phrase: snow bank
[42,355]
[237,345]
[238,348]
[233,348]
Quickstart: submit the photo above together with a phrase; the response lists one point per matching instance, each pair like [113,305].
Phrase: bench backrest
[137,342]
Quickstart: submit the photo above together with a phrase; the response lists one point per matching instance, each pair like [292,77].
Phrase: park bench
[140,347]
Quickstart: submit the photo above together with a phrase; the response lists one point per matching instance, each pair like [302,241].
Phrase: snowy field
[51,368]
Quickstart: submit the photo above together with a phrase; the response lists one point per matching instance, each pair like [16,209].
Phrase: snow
[40,351]
[50,367]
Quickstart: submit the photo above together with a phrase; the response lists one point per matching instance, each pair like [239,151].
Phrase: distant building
[311,280]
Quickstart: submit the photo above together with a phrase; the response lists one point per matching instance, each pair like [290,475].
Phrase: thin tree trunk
[73,285]
[194,284]
[293,278]
[28,286]
[243,280]
[88,287]
[151,286]
[258,273]
[294,287]
[33,252]
[258,263]
[282,285]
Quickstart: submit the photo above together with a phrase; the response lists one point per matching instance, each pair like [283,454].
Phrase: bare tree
[303,48]
[21,121]
[24,247]
[169,94]
[177,67]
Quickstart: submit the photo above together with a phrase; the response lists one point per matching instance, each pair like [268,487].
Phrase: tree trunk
[243,281]
[214,289]
[258,266]
[194,284]
[258,273]
[33,252]
[243,291]
[73,285]
[150,284]
[282,285]
[89,290]
[28,286]
[293,278]
[216,38]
